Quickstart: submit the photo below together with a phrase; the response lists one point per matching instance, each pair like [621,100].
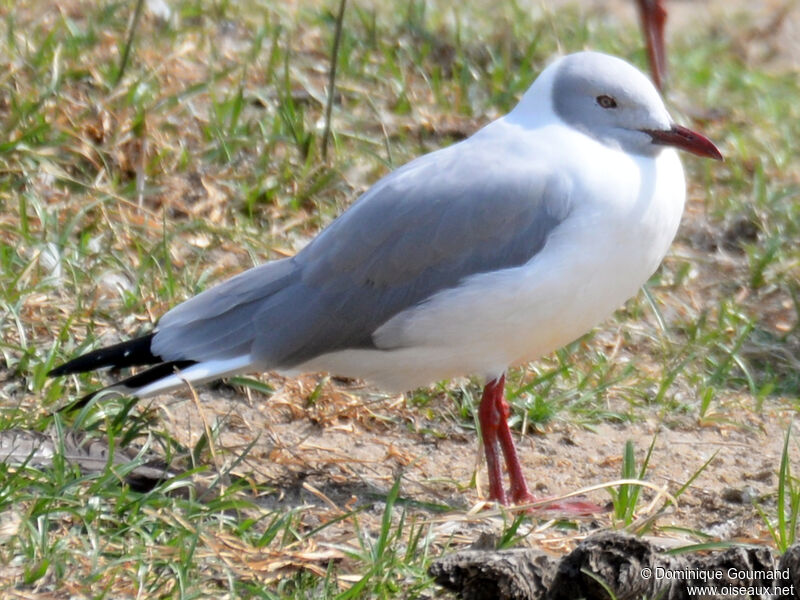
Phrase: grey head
[613,102]
[609,100]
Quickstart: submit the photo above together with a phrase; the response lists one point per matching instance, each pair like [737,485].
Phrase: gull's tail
[248,322]
[161,376]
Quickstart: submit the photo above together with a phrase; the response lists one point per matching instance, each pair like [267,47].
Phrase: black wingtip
[130,353]
[61,370]
[130,385]
[153,374]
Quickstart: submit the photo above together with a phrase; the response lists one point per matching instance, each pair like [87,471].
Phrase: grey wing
[218,323]
[421,229]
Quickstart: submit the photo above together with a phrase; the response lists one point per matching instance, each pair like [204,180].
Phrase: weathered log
[630,567]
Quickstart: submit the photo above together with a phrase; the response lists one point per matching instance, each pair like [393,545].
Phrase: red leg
[520,494]
[493,415]
[654,18]
[490,419]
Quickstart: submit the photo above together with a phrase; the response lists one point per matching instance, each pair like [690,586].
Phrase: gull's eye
[606,102]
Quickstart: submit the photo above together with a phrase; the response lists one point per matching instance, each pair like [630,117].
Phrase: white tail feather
[196,374]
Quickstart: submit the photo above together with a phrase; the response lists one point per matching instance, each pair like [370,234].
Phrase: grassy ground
[126,187]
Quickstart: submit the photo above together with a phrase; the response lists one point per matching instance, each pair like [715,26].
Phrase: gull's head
[611,101]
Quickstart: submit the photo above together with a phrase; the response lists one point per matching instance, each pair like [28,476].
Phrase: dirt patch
[345,450]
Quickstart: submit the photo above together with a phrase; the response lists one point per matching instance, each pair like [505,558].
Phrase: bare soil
[346,449]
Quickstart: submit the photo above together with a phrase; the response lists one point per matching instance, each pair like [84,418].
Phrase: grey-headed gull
[488,253]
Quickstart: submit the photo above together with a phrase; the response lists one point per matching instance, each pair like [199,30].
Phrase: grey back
[420,230]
